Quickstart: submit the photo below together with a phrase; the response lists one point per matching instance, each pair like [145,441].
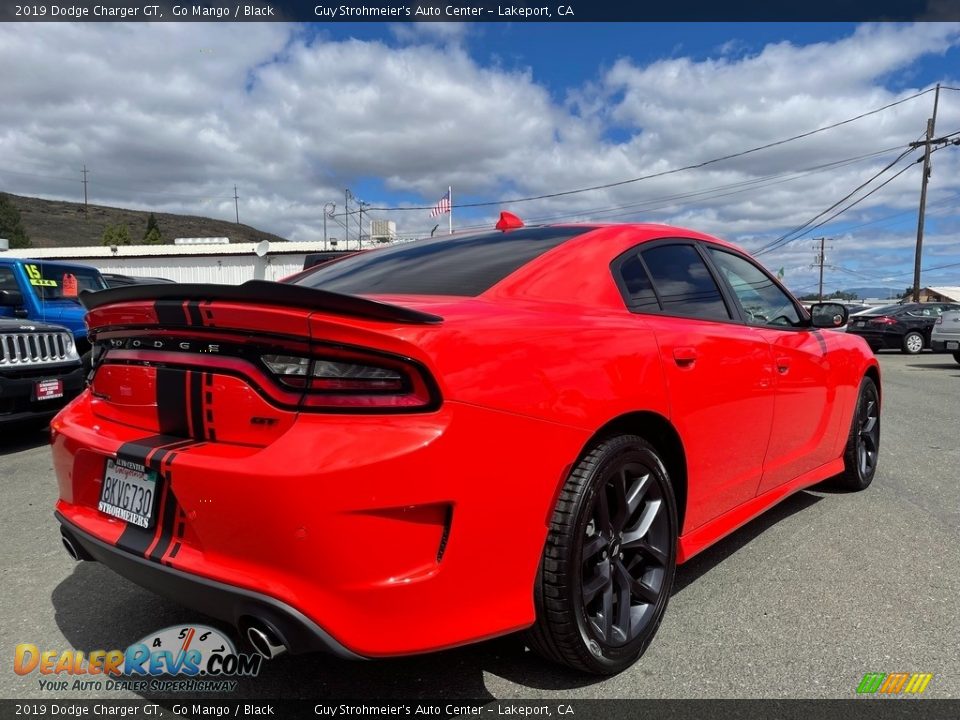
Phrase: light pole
[328,209]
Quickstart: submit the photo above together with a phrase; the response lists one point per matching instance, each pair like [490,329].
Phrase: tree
[908,292]
[116,235]
[11,226]
[151,235]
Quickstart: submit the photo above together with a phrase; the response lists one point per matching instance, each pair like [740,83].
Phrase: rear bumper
[17,403]
[394,534]
[944,346]
[219,600]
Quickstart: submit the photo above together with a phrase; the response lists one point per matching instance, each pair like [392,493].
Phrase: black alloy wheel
[863,445]
[609,560]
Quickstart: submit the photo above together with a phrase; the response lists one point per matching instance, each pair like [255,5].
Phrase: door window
[762,300]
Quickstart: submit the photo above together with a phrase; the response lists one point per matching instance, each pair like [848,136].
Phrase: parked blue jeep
[47,291]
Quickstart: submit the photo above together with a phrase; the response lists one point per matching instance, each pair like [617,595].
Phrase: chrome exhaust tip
[71,550]
[265,642]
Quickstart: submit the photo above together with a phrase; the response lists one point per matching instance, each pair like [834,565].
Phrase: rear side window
[639,289]
[683,282]
[466,265]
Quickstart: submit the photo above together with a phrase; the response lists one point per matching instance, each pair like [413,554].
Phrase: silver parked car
[945,336]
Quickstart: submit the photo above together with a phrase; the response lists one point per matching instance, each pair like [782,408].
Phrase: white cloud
[170,116]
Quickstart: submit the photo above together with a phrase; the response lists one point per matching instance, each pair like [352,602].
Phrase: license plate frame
[953,345]
[48,389]
[129,492]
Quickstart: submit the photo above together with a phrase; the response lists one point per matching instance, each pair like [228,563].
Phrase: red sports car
[439,442]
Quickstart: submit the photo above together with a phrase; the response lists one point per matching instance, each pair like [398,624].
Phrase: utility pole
[820,258]
[236,203]
[360,224]
[328,209]
[346,217]
[84,189]
[931,126]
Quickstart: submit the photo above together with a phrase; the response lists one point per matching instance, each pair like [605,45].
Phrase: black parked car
[905,327]
[40,371]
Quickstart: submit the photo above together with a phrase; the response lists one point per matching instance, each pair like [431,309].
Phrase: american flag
[441,207]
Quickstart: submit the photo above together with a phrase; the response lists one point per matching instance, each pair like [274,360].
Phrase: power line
[672,171]
[785,238]
[682,199]
[856,202]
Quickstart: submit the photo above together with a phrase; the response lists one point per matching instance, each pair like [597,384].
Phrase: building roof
[121,251]
[948,291]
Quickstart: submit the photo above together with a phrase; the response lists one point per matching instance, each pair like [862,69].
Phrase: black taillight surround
[418,391]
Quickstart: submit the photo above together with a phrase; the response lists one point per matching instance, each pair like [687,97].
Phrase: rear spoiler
[262,292]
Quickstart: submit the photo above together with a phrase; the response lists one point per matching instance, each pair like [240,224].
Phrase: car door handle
[783,365]
[685,356]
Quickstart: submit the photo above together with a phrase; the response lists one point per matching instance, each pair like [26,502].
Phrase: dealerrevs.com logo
[898,683]
[193,658]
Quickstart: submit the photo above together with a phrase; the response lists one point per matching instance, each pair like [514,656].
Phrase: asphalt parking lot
[800,603]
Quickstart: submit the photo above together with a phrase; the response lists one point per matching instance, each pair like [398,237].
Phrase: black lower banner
[854,709]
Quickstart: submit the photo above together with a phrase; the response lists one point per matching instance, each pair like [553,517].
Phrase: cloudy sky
[169,117]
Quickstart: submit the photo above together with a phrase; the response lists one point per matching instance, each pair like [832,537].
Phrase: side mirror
[11,298]
[828,315]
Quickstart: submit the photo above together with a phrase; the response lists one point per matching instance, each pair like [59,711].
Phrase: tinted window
[639,289]
[762,301]
[683,282]
[885,310]
[7,280]
[466,265]
[48,279]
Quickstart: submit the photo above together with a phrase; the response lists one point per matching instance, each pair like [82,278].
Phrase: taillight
[884,320]
[345,379]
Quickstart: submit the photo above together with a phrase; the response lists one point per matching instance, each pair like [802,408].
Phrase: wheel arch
[659,432]
[873,372]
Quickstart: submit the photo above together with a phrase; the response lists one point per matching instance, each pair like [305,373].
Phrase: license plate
[48,389]
[953,346]
[129,492]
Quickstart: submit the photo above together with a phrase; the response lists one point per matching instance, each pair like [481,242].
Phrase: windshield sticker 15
[36,278]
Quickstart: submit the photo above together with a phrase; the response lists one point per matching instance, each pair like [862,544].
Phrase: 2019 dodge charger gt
[444,441]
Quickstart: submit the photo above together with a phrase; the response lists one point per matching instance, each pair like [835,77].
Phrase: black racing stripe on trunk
[169,312]
[196,404]
[193,310]
[134,538]
[172,402]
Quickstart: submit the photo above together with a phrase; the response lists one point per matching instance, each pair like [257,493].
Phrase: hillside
[54,223]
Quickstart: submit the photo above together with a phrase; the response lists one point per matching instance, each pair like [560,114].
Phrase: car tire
[863,444]
[956,356]
[913,343]
[608,563]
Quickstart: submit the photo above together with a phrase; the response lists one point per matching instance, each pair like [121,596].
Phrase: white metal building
[198,263]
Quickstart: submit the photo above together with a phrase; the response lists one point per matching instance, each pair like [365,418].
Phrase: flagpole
[450,219]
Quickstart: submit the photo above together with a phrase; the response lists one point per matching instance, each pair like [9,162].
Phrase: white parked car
[945,336]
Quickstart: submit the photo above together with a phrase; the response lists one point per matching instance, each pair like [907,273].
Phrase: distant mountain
[882,293]
[54,223]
